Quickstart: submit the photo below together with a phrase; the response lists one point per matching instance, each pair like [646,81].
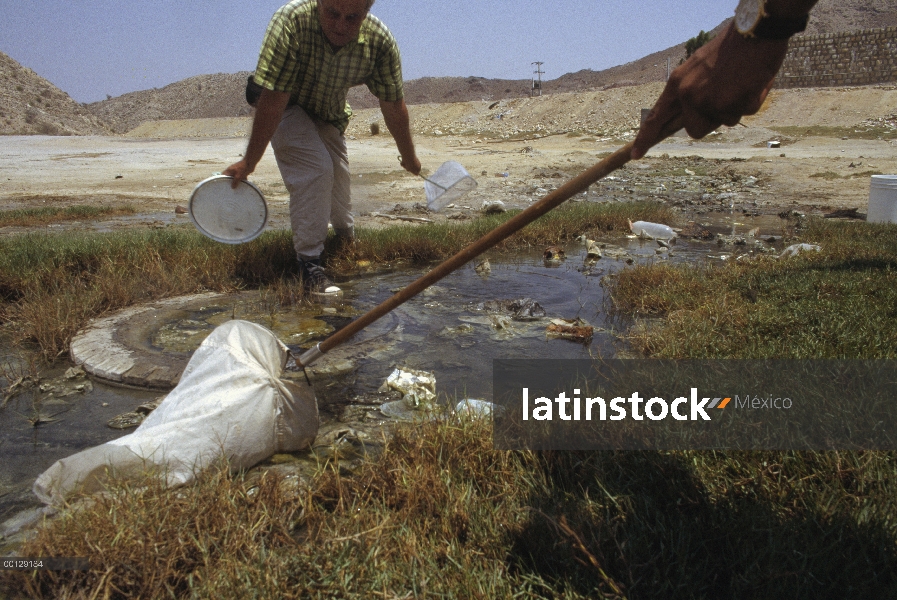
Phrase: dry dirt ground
[517,150]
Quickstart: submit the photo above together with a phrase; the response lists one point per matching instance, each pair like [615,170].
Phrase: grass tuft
[837,303]
[440,513]
[32,217]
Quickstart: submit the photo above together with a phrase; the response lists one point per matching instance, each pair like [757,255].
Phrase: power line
[537,78]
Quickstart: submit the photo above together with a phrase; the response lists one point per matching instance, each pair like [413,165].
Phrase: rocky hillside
[200,97]
[31,105]
[182,100]
[38,107]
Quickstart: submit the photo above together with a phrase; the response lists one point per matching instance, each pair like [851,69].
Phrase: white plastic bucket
[882,199]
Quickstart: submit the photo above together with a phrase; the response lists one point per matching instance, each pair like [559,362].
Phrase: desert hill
[199,97]
[29,104]
[41,108]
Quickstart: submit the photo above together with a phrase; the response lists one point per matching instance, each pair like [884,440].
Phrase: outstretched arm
[268,113]
[399,124]
[727,78]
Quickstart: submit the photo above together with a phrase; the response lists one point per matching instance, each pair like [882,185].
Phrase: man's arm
[268,113]
[399,124]
[727,78]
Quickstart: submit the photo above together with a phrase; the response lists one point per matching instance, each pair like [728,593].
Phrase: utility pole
[537,79]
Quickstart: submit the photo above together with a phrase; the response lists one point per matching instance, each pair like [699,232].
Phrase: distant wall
[859,58]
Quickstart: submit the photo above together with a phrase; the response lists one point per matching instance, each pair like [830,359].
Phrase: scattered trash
[553,254]
[576,330]
[119,176]
[652,231]
[615,252]
[418,388]
[843,213]
[773,144]
[795,249]
[593,248]
[500,322]
[74,373]
[493,207]
[523,309]
[401,217]
[471,407]
[696,231]
[340,441]
[462,329]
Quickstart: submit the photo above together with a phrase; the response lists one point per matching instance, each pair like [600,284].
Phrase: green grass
[30,217]
[838,303]
[52,285]
[441,514]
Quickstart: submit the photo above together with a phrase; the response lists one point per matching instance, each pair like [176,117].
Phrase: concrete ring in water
[149,345]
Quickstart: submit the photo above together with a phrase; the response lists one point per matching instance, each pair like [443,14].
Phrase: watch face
[747,15]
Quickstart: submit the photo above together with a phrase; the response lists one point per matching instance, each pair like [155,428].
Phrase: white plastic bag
[795,249]
[230,401]
[652,231]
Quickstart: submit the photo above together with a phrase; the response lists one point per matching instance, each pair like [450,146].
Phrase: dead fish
[576,333]
[527,309]
[135,418]
[126,420]
[483,268]
[523,309]
[500,322]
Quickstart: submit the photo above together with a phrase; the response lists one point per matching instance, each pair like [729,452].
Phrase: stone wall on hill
[840,59]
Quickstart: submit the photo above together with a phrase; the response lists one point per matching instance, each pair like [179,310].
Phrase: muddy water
[440,331]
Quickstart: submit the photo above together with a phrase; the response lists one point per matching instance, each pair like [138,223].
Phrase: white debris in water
[795,249]
[475,408]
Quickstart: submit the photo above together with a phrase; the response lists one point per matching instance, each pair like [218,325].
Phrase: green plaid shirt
[296,58]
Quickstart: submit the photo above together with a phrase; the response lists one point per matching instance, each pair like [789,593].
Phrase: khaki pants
[314,164]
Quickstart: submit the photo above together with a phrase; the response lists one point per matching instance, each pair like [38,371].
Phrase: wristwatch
[752,21]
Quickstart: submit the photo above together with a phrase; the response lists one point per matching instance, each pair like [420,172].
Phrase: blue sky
[91,48]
